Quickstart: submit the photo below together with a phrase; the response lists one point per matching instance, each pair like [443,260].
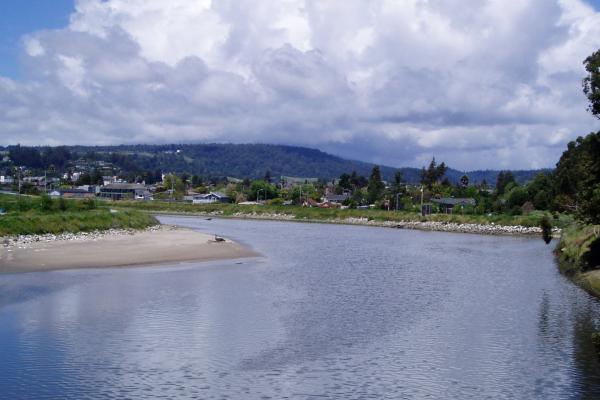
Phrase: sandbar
[161,246]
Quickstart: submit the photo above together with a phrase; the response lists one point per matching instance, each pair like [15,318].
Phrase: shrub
[546,226]
[62,204]
[46,203]
[90,204]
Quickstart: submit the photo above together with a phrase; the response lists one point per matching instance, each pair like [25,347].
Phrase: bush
[62,204]
[90,204]
[546,226]
[275,202]
[46,203]
[516,210]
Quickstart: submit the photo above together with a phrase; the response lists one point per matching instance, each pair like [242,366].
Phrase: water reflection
[333,311]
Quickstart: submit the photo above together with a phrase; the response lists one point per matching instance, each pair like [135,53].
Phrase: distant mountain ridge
[254,160]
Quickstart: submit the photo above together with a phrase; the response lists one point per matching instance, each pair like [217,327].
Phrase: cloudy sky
[478,84]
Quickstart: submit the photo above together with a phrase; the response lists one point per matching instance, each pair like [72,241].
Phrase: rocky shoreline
[26,241]
[481,229]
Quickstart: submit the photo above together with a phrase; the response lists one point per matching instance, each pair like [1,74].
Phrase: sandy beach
[159,246]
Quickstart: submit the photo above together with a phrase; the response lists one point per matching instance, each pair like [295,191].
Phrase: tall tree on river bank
[591,83]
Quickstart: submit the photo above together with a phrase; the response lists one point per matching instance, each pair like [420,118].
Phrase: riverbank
[114,248]
[43,215]
[497,224]
[438,226]
[578,256]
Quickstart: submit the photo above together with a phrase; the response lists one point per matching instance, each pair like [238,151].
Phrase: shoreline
[115,248]
[431,226]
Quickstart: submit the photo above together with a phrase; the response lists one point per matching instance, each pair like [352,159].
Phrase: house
[291,181]
[447,204]
[336,198]
[212,197]
[90,188]
[120,191]
[6,180]
[72,194]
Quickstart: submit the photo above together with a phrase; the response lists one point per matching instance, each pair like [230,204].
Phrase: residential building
[447,204]
[212,197]
[336,198]
[6,180]
[72,194]
[123,191]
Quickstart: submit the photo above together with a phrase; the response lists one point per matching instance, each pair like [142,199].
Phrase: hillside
[244,160]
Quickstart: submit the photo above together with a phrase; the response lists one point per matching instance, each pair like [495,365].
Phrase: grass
[575,243]
[34,215]
[332,214]
[577,256]
[590,281]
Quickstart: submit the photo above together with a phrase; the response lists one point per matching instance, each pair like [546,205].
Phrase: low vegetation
[578,254]
[39,215]
[333,214]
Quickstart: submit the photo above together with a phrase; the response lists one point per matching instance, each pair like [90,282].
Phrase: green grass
[333,214]
[573,253]
[590,281]
[574,244]
[28,215]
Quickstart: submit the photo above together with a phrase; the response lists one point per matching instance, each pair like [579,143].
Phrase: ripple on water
[332,312]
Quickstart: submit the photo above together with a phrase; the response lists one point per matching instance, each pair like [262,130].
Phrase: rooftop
[455,201]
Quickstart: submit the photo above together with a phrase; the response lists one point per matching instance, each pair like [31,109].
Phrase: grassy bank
[332,214]
[578,254]
[36,215]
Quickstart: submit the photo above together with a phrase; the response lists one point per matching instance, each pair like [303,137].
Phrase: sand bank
[157,246]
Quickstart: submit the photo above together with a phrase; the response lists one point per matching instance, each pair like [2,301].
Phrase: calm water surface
[331,311]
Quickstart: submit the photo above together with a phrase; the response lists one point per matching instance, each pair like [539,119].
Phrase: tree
[577,178]
[504,179]
[344,181]
[58,156]
[357,181]
[517,197]
[25,156]
[262,190]
[268,176]
[95,178]
[375,186]
[301,193]
[591,83]
[173,182]
[196,181]
[433,174]
[540,191]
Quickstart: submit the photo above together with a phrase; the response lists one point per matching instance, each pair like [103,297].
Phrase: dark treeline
[221,160]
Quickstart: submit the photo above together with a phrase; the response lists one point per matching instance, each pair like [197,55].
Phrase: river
[330,311]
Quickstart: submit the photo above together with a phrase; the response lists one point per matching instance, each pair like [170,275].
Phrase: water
[331,311]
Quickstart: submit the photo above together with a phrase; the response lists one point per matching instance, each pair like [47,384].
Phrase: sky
[477,84]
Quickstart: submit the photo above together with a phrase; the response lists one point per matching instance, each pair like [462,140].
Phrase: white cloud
[478,84]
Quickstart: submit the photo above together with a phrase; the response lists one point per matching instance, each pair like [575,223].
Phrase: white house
[6,180]
[212,197]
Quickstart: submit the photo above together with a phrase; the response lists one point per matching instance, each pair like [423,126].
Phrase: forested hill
[242,161]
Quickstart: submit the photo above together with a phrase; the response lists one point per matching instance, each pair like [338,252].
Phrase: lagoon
[330,311]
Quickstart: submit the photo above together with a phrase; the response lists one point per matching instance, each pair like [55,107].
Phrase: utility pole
[258,196]
[422,200]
